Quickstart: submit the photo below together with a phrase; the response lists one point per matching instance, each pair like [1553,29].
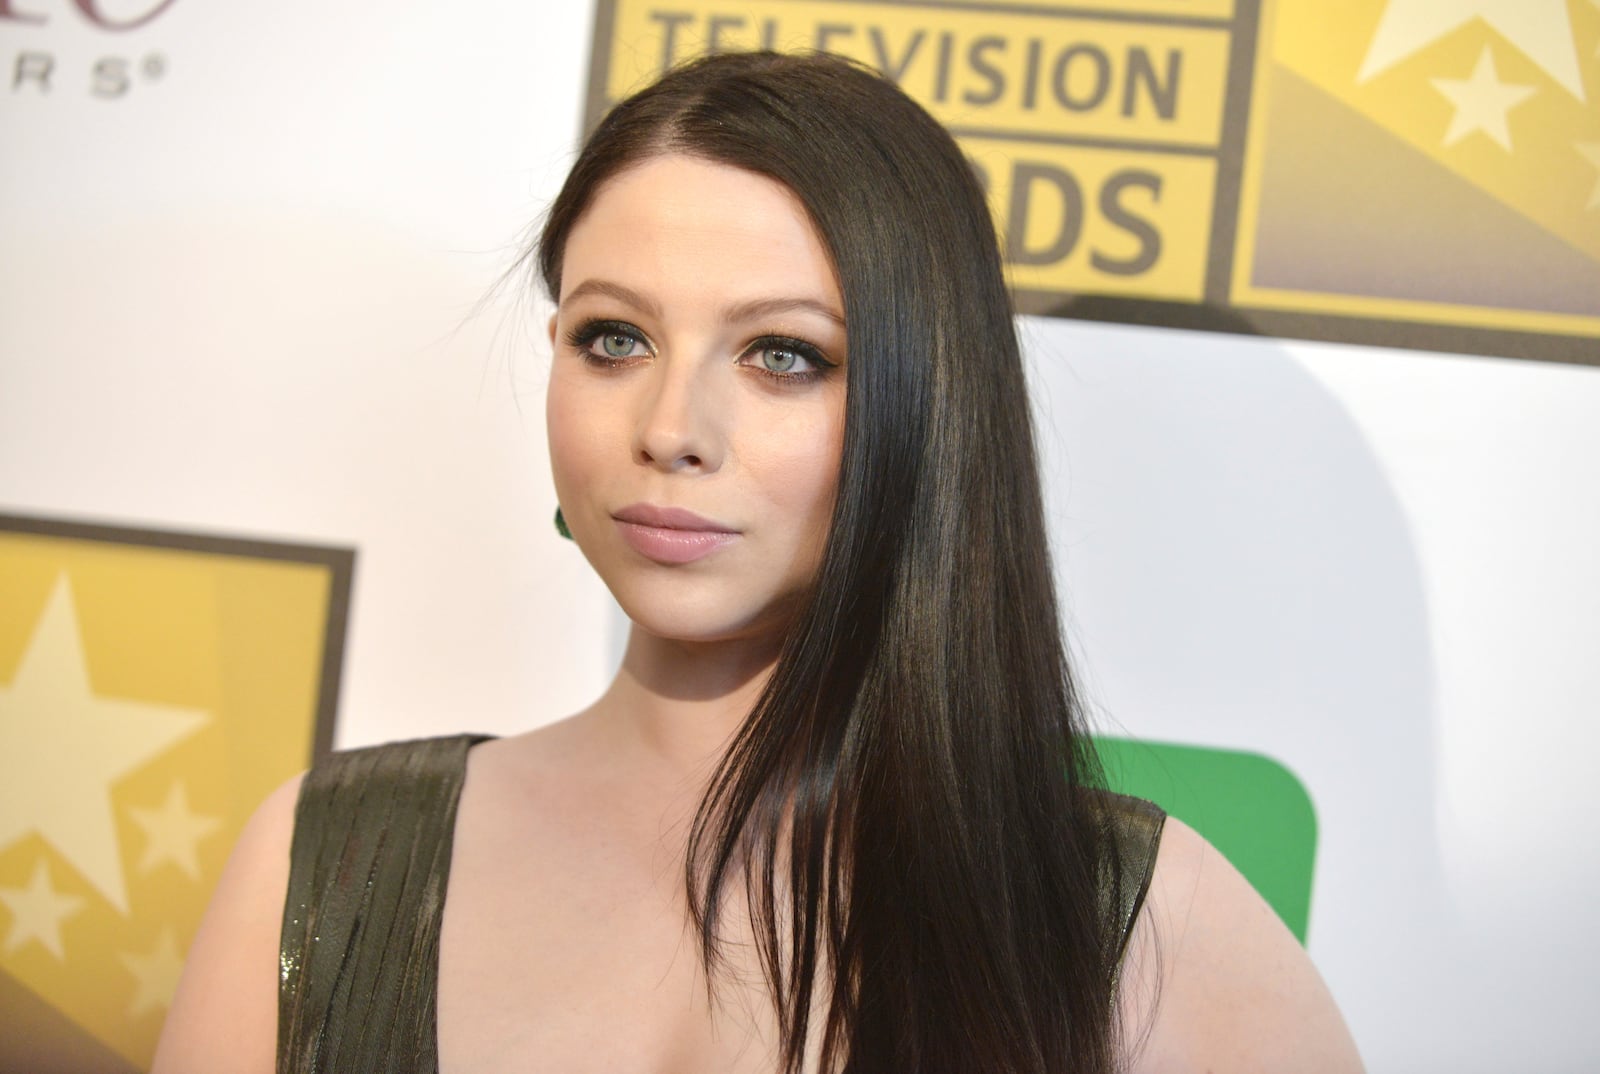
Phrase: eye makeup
[611,344]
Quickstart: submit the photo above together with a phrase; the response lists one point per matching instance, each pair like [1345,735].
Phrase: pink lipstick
[671,535]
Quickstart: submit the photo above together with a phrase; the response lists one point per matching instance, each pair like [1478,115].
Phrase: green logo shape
[1250,807]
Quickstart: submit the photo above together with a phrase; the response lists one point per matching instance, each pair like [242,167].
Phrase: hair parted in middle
[910,804]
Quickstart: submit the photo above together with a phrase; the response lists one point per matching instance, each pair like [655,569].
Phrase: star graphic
[1591,153]
[62,747]
[1540,28]
[173,833]
[155,975]
[37,912]
[1482,102]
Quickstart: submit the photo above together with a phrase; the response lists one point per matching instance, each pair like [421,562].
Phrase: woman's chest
[566,945]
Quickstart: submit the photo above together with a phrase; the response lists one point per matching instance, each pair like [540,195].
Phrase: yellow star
[1591,153]
[173,833]
[37,912]
[155,975]
[1482,102]
[1542,29]
[62,748]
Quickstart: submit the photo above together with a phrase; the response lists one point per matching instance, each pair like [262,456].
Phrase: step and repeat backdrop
[1311,308]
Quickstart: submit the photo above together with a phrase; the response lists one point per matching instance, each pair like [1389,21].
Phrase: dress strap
[1136,829]
[359,956]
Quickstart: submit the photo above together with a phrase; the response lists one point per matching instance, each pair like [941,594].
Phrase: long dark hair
[908,805]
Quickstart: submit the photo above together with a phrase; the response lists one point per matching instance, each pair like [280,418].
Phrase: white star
[1591,153]
[37,912]
[62,748]
[155,975]
[1482,102]
[1540,28]
[173,833]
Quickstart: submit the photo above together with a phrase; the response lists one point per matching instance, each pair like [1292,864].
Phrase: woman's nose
[677,427]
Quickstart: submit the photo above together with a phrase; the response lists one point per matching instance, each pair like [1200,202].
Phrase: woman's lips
[671,535]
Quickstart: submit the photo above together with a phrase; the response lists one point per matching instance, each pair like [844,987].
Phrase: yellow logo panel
[153,688]
[1435,162]
[1419,173]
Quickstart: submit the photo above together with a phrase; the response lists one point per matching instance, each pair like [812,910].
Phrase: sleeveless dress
[359,956]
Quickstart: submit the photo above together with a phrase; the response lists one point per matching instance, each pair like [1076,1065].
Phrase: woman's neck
[680,703]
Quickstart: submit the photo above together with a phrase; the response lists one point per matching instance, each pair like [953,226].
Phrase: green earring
[561,525]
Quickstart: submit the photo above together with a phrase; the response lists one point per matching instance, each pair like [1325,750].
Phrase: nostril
[650,458]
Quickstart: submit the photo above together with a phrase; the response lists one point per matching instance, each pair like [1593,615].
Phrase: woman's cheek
[571,432]
[798,460]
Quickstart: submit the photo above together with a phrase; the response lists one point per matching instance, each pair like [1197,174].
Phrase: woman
[836,812]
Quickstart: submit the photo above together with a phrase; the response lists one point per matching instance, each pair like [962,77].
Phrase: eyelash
[582,337]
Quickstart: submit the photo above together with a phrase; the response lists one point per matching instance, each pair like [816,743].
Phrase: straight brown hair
[910,804]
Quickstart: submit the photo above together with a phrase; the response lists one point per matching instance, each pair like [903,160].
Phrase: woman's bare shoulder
[1213,980]
[224,1018]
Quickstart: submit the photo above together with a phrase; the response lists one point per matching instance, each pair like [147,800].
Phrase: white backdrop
[239,298]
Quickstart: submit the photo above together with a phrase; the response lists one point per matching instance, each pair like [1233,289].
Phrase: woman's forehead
[676,220]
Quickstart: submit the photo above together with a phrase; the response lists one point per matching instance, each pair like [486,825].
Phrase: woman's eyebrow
[626,295]
[770,307]
[753,309]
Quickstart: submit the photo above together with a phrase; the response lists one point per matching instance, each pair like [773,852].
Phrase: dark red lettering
[91,11]
[18,16]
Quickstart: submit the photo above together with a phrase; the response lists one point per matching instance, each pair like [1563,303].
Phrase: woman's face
[696,402]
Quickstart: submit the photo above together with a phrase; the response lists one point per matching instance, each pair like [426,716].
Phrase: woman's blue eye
[778,359]
[790,359]
[608,342]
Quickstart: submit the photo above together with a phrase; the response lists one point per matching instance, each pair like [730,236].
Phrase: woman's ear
[552,331]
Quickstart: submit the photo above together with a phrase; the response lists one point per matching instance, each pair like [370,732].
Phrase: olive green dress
[359,962]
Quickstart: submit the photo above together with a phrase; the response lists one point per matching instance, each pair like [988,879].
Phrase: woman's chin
[698,619]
